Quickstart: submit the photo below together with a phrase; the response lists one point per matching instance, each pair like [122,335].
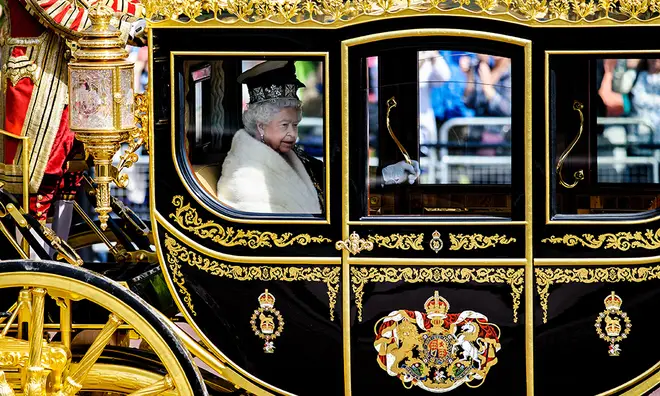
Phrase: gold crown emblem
[612,326]
[266,300]
[613,302]
[266,324]
[436,306]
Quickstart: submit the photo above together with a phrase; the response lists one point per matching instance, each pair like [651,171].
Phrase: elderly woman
[264,171]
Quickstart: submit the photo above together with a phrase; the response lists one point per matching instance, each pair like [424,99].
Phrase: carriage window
[607,148]
[254,131]
[439,127]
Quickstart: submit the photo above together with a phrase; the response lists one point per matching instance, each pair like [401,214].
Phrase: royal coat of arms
[437,351]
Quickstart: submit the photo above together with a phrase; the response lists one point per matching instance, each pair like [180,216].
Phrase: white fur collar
[256,178]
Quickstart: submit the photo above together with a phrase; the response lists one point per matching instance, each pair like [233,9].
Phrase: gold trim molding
[623,241]
[177,254]
[338,12]
[398,241]
[477,241]
[363,275]
[188,219]
[545,277]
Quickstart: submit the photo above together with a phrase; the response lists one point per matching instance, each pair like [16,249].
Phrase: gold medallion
[608,324]
[270,320]
[436,242]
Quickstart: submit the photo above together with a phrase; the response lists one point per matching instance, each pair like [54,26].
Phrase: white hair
[263,112]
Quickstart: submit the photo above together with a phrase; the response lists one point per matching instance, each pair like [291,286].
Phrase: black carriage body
[532,270]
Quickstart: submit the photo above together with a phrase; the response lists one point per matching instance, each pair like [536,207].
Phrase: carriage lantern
[101,100]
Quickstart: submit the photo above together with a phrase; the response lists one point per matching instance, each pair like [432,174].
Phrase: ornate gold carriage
[521,260]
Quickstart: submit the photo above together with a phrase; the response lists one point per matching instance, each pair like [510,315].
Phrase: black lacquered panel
[387,293]
[221,298]
[569,345]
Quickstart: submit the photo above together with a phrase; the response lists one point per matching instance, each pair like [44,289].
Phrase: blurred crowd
[631,88]
[457,84]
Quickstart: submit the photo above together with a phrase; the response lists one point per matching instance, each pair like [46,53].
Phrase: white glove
[137,35]
[400,172]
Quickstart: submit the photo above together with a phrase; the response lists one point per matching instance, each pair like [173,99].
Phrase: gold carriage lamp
[101,100]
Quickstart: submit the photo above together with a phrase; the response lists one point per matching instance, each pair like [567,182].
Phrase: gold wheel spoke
[73,383]
[14,312]
[156,388]
[35,373]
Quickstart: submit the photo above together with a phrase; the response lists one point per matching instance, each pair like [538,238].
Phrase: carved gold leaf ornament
[354,244]
[623,241]
[188,219]
[178,255]
[398,241]
[338,12]
[477,241]
[545,277]
[360,276]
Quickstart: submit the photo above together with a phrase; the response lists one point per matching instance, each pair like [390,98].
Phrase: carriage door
[440,260]
[597,237]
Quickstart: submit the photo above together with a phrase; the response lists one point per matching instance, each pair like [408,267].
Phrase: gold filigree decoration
[477,241]
[360,276]
[188,219]
[177,255]
[339,12]
[619,241]
[545,277]
[354,244]
[398,241]
[139,137]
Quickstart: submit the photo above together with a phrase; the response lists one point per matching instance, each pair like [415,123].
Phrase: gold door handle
[579,175]
[391,103]
[354,244]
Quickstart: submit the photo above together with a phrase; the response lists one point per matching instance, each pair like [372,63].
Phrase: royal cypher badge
[270,324]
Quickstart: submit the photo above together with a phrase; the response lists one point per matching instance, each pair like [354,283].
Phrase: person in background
[488,92]
[433,72]
[646,95]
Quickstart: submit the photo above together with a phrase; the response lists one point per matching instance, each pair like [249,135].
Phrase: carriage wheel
[46,367]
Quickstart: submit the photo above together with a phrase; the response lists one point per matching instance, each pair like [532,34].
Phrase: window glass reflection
[629,146]
[462,134]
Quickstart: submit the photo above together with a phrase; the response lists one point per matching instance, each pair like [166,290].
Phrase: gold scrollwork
[338,12]
[545,277]
[398,241]
[514,277]
[188,219]
[177,255]
[619,241]
[477,241]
